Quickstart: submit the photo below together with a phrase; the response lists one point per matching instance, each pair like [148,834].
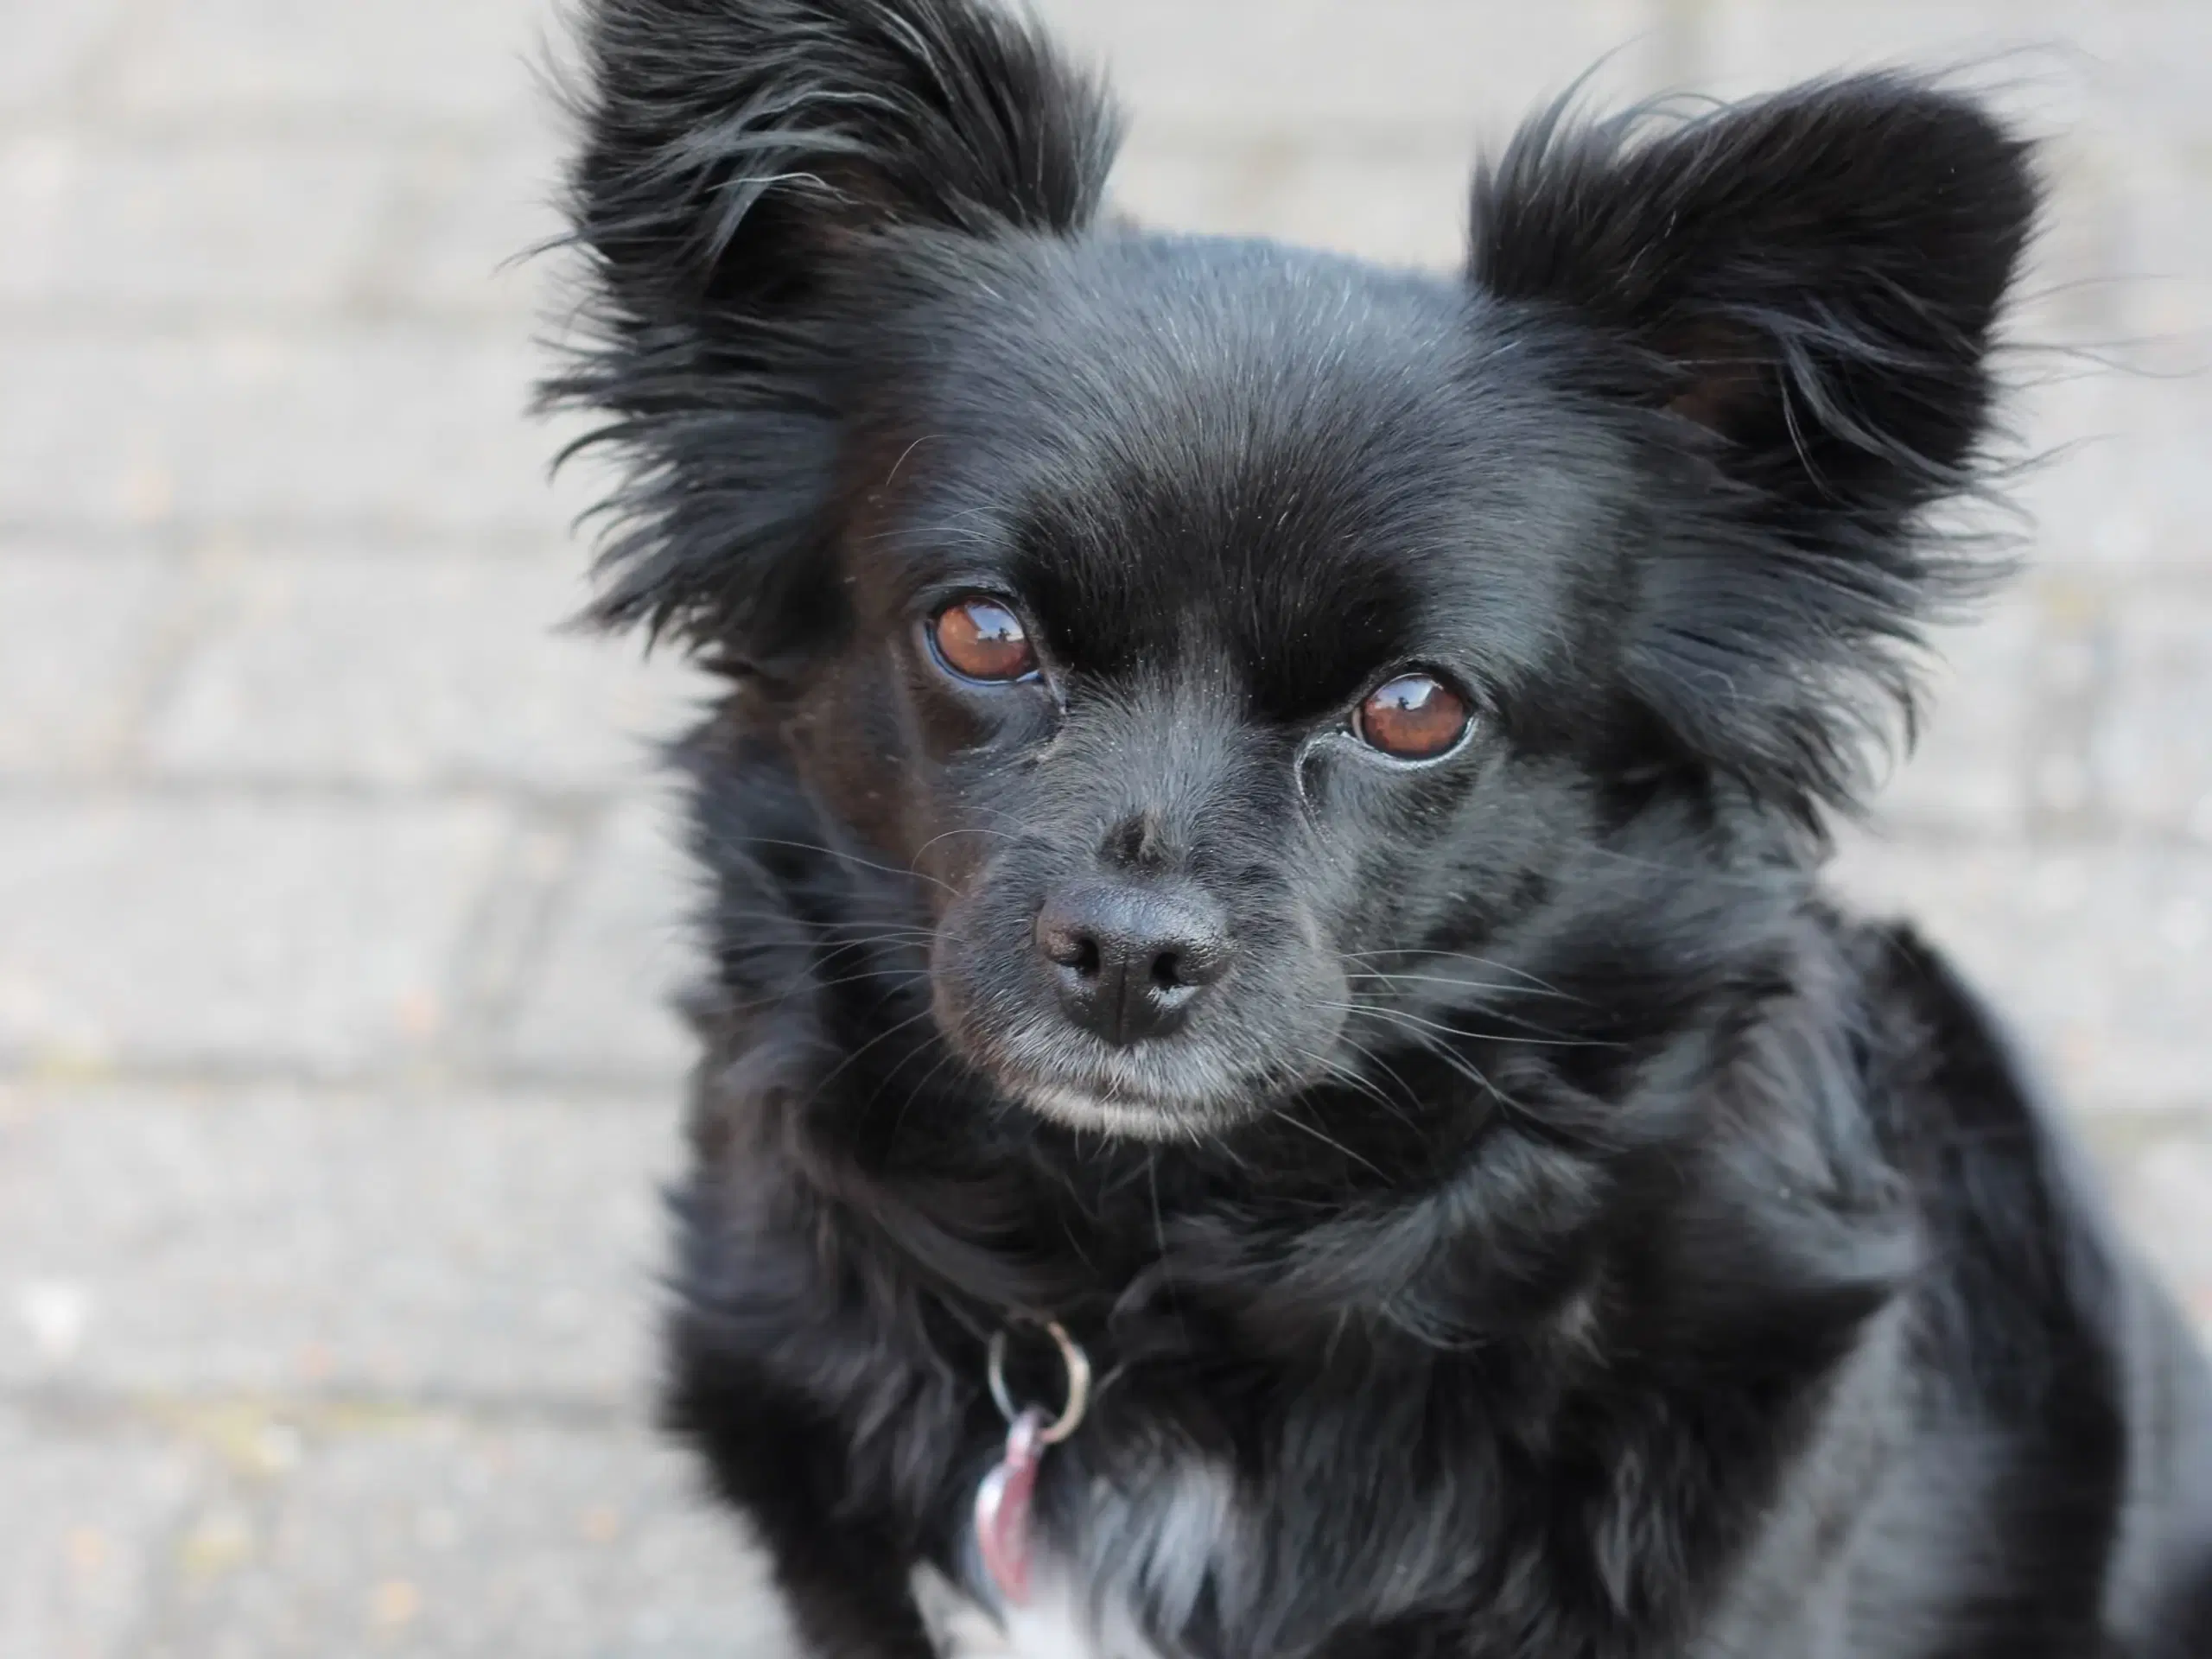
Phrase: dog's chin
[1125,1115]
[1106,1100]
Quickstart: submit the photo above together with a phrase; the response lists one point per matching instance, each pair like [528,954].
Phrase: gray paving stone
[1403,201]
[234,931]
[2077,487]
[417,61]
[2160,259]
[235,220]
[84,1526]
[77,631]
[2160,1175]
[1969,772]
[2159,512]
[438,1541]
[401,427]
[477,211]
[267,1241]
[2118,485]
[2152,60]
[45,46]
[595,1002]
[2152,749]
[1216,64]
[2100,956]
[362,666]
[1744,45]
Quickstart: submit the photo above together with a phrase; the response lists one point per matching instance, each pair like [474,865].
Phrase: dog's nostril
[1071,947]
[1167,970]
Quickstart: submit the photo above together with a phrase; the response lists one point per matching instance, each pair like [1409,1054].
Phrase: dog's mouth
[1174,1092]
[1121,1114]
[1148,1097]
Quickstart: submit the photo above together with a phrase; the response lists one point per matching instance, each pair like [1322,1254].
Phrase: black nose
[1129,961]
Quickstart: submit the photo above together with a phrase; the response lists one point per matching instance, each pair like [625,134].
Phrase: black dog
[1267,815]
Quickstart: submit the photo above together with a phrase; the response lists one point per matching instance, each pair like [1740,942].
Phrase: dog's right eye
[1413,718]
[980,638]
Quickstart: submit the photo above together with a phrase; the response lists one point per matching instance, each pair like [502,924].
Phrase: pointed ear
[743,162]
[1813,279]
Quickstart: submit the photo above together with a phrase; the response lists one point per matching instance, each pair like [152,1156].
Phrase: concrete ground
[334,902]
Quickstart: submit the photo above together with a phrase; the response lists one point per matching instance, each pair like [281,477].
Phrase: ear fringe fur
[1817,276]
[739,157]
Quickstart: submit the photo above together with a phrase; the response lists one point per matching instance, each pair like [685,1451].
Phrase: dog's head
[1251,651]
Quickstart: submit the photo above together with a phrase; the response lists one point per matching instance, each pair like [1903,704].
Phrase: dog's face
[1253,655]
[1221,620]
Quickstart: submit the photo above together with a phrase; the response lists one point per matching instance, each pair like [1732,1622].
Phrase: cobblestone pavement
[335,905]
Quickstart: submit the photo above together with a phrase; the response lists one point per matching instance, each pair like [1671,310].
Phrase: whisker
[1516,1020]
[1489,986]
[751,914]
[1415,1021]
[909,975]
[1373,1059]
[837,1071]
[1366,1088]
[964,829]
[1435,954]
[1283,1113]
[914,1094]
[1461,1066]
[742,842]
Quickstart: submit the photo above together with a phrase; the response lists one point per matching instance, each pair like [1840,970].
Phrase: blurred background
[335,906]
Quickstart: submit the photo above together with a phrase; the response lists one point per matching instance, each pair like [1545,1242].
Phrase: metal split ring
[1073,1361]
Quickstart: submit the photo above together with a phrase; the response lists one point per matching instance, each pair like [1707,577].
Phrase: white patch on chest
[1155,1544]
[1051,1627]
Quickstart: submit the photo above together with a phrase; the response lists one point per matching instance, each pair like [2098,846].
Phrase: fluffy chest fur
[1268,1480]
[1065,1617]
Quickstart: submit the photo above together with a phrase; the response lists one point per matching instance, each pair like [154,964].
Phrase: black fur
[1560,1233]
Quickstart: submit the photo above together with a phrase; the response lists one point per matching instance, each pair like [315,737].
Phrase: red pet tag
[1002,1502]
[1002,1508]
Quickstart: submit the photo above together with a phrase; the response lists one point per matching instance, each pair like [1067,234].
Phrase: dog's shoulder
[2001,1183]
[2052,1362]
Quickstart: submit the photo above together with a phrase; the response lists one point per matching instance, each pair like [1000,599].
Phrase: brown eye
[1413,718]
[979,639]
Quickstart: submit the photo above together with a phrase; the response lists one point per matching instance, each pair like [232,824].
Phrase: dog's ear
[1813,279]
[745,162]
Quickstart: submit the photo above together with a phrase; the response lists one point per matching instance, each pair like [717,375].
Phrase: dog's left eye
[980,638]
[1412,717]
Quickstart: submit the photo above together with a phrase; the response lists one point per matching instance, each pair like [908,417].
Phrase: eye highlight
[980,638]
[1412,717]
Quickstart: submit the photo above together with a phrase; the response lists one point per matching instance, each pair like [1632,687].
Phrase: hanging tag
[1002,1508]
